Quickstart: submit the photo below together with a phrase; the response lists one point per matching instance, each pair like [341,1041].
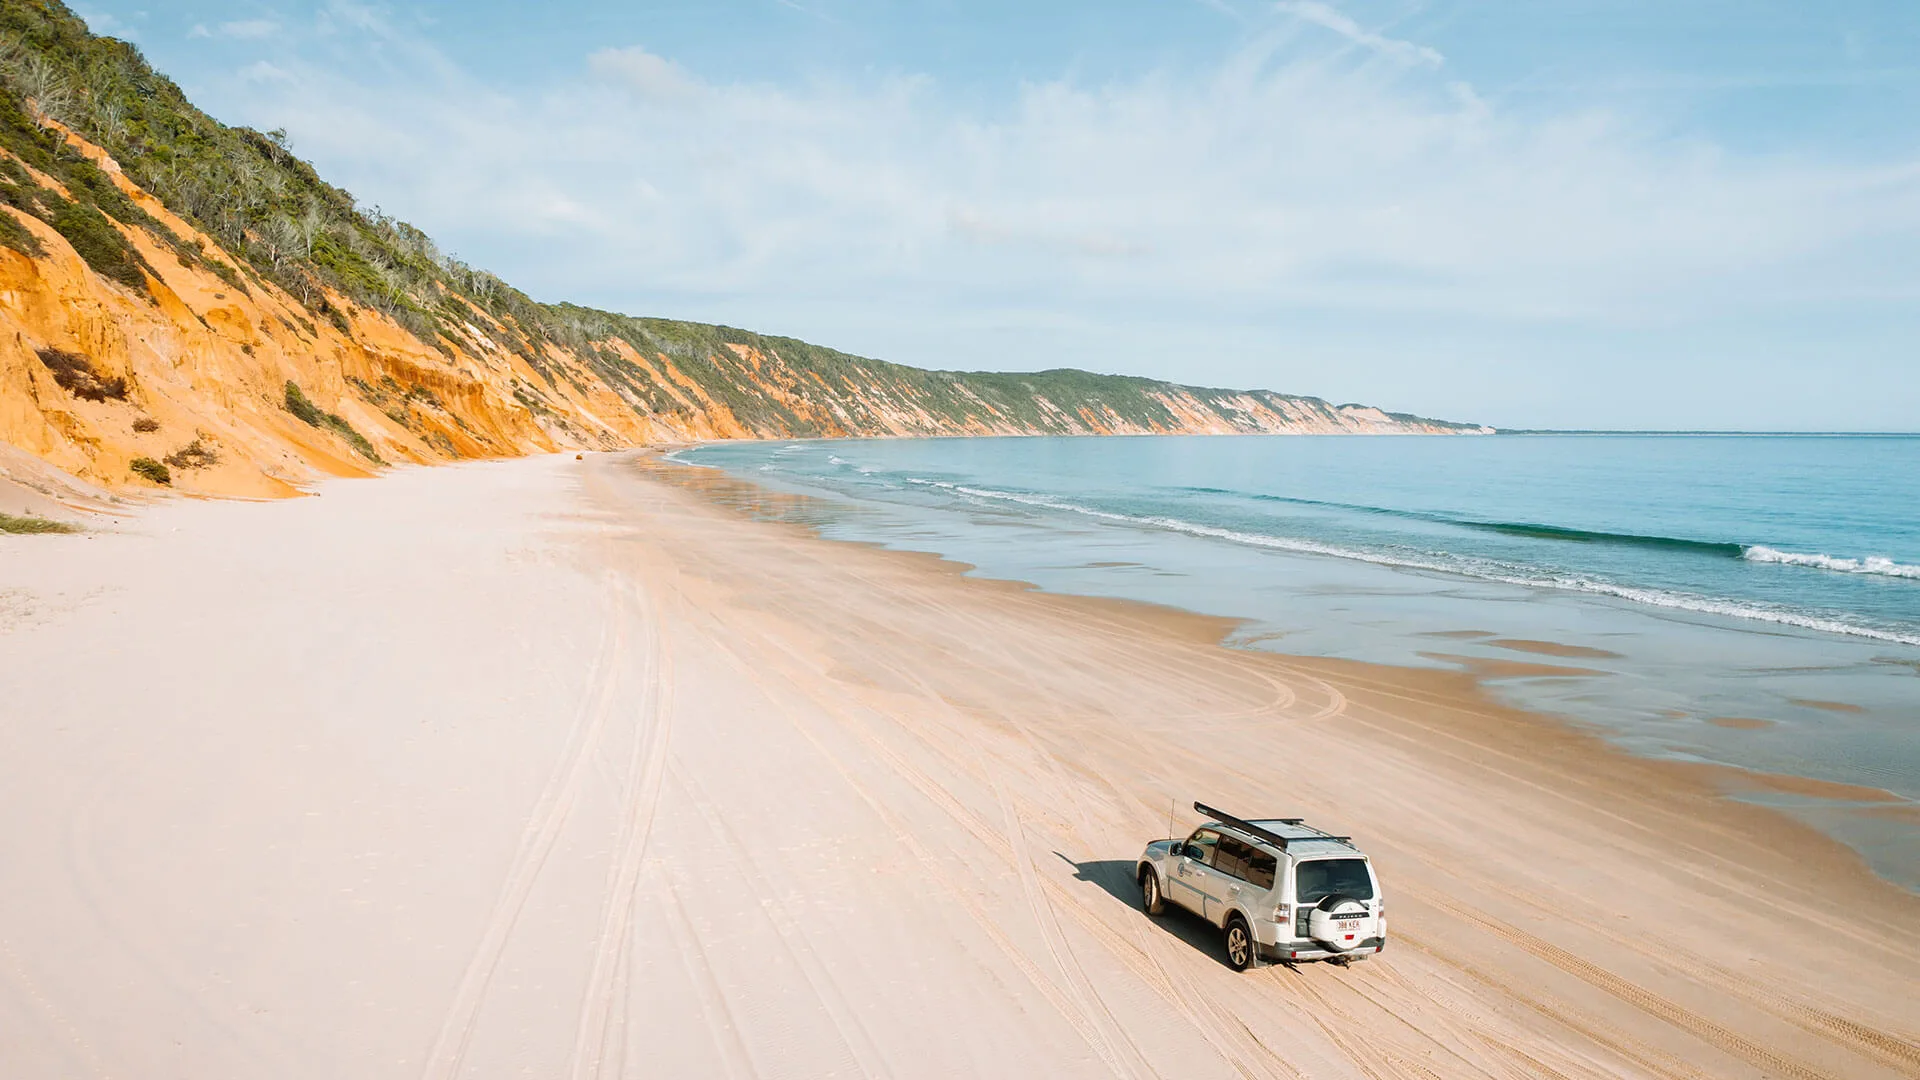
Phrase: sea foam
[1872,564]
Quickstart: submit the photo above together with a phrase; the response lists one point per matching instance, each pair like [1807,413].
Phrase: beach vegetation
[298,404]
[97,241]
[31,524]
[76,375]
[16,236]
[308,413]
[195,455]
[151,470]
[146,425]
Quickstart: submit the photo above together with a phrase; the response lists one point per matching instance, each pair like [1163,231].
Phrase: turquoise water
[1771,579]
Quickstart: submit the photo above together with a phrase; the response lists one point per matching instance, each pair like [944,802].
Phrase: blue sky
[1568,213]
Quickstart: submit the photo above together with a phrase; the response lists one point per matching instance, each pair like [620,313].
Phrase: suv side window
[1232,857]
[1201,844]
[1260,869]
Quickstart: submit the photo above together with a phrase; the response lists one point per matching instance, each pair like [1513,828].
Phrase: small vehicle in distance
[1278,888]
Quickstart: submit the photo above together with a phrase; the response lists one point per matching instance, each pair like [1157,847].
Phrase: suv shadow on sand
[1115,878]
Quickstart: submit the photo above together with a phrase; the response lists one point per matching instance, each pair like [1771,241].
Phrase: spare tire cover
[1324,924]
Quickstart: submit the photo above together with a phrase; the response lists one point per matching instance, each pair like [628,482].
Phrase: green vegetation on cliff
[307,412]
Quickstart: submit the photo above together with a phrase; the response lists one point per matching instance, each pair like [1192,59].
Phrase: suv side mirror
[1178,849]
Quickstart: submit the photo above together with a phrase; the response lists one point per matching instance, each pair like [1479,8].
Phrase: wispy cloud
[1328,17]
[239,30]
[810,12]
[263,71]
[642,72]
[1224,7]
[1282,177]
[1159,223]
[250,29]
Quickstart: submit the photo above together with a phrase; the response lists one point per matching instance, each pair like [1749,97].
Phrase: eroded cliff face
[195,374]
[237,388]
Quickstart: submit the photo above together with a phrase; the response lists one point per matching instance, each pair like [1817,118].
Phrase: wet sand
[1553,648]
[572,768]
[1826,706]
[1740,723]
[1488,668]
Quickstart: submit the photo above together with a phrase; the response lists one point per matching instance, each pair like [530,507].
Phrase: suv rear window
[1321,878]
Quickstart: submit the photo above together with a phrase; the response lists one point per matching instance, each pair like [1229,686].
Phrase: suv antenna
[1169,817]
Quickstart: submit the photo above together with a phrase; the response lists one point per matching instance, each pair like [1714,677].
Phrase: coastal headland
[189,305]
[572,767]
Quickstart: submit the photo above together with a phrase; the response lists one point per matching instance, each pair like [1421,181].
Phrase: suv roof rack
[1268,835]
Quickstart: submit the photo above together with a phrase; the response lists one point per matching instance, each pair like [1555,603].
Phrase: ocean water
[1746,600]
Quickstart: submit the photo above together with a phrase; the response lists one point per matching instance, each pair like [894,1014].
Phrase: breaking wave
[1589,536]
[1510,528]
[1872,564]
[1759,553]
[1479,569]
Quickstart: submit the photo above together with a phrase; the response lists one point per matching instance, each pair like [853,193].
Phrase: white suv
[1280,889]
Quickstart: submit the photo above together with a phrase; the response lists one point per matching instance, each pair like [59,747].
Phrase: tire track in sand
[721,1022]
[1403,1022]
[550,813]
[645,773]
[859,1043]
[1086,997]
[1651,1060]
[1462,1020]
[1634,994]
[1867,1041]
[735,643]
[1041,894]
[1885,1047]
[1045,916]
[909,840]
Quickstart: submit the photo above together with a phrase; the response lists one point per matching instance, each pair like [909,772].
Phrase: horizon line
[1703,431]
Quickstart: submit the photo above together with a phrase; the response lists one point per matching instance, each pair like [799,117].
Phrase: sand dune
[567,768]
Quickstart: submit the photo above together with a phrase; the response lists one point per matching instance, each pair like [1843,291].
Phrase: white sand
[549,768]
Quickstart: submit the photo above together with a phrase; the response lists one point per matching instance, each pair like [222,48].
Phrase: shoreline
[556,766]
[1730,782]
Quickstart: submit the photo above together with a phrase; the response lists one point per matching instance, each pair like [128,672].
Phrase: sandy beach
[572,768]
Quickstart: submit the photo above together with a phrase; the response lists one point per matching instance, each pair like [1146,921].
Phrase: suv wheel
[1150,899]
[1241,948]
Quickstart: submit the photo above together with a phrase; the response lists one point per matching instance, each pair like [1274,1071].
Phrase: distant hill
[187,303]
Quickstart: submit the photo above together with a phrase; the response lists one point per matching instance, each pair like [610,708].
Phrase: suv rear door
[1241,871]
